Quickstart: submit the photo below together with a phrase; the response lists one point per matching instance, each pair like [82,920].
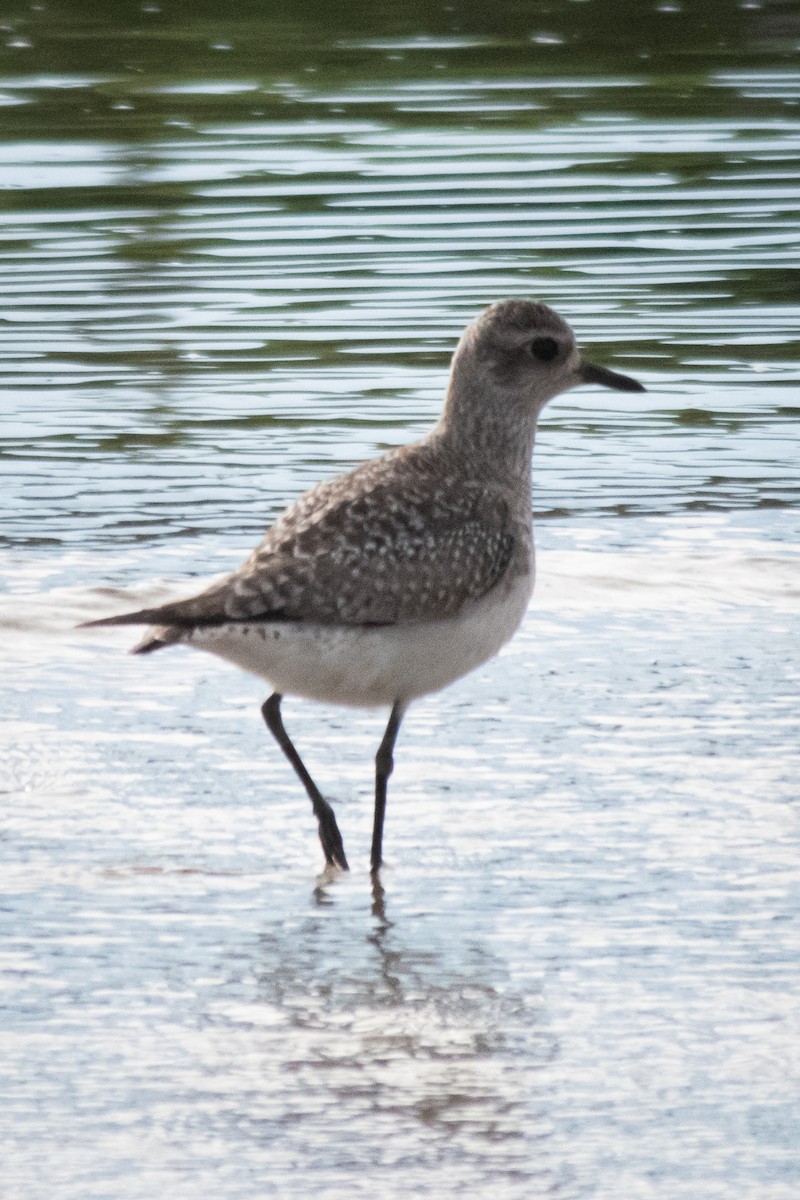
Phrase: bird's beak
[589,373]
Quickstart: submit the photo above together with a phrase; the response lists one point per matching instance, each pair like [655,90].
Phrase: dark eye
[544,348]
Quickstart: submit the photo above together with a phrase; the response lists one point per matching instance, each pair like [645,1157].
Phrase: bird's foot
[332,844]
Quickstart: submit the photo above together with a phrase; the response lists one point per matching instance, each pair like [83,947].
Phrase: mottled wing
[396,540]
[382,557]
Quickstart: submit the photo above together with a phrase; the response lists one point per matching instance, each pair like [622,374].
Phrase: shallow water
[236,258]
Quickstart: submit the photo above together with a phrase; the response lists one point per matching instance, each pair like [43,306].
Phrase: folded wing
[354,552]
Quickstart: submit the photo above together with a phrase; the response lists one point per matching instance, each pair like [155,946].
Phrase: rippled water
[236,257]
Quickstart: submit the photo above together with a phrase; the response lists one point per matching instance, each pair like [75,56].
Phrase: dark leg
[384,764]
[328,829]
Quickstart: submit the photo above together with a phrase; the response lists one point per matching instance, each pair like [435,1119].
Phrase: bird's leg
[329,835]
[384,764]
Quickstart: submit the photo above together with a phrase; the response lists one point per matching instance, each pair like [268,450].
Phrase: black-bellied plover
[394,580]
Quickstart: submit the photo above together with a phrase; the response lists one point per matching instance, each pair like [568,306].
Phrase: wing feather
[369,548]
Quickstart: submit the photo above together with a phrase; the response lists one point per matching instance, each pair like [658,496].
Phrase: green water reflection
[220,231]
[594,34]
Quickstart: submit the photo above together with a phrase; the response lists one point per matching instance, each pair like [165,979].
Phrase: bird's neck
[489,434]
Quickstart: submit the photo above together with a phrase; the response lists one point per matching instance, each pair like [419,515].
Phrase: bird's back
[407,537]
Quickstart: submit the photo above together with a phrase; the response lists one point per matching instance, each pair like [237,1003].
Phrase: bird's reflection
[411,1012]
[329,876]
[379,904]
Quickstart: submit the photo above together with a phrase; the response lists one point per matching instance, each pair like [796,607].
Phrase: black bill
[589,373]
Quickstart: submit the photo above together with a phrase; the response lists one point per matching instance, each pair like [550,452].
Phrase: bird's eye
[544,348]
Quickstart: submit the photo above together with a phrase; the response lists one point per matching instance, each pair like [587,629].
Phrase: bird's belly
[374,665]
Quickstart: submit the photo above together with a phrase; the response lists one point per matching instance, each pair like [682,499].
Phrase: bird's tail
[207,608]
[154,639]
[157,639]
[144,616]
[171,622]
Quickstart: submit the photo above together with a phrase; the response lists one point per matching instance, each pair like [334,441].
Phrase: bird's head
[526,350]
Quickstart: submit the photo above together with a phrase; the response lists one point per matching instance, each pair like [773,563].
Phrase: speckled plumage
[396,540]
[397,578]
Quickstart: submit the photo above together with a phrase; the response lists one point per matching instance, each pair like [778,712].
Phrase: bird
[390,582]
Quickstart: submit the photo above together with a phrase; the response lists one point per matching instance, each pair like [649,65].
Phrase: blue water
[237,255]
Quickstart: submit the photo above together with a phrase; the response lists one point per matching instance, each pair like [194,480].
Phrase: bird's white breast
[371,666]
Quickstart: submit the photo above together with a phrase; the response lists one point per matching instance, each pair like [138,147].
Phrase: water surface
[237,255]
